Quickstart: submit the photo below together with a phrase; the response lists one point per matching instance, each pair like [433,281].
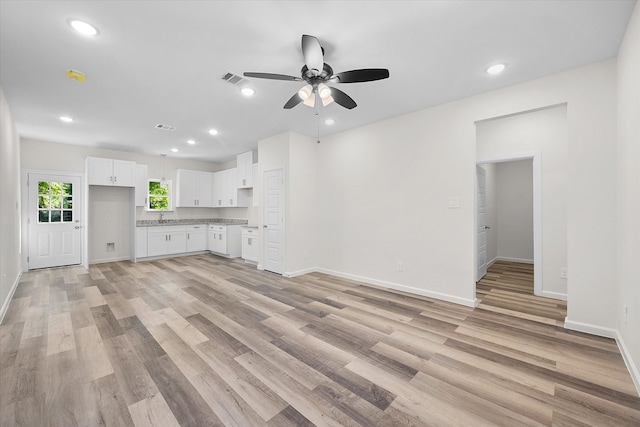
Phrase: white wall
[628,185]
[543,131]
[301,223]
[296,155]
[109,222]
[514,197]
[384,188]
[10,248]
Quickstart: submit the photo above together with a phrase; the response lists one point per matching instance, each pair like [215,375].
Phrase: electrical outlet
[399,266]
[564,273]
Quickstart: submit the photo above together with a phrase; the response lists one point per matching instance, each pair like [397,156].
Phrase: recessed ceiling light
[175,150]
[83,27]
[247,91]
[66,119]
[496,69]
[329,122]
[191,142]
[213,131]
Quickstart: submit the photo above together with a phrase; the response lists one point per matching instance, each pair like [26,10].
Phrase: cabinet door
[219,189]
[141,242]
[99,171]
[245,170]
[177,242]
[222,243]
[123,173]
[196,238]
[186,188]
[157,244]
[253,249]
[141,189]
[204,184]
[232,187]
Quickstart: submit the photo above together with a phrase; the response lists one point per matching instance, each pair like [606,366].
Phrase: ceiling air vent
[165,127]
[235,79]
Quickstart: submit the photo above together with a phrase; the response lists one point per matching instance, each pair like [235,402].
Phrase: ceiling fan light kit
[317,74]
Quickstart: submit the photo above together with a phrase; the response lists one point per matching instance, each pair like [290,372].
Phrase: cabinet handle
[166,238]
[169,237]
[230,201]
[188,236]
[249,241]
[244,181]
[115,178]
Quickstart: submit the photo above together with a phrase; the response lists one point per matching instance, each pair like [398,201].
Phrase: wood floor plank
[205,340]
[187,405]
[152,412]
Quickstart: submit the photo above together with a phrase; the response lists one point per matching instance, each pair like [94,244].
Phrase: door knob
[486,227]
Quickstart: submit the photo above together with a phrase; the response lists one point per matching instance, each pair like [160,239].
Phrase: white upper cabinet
[193,189]
[110,172]
[225,190]
[141,182]
[245,170]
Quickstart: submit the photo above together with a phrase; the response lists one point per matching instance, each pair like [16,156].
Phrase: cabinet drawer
[198,227]
[218,227]
[166,229]
[250,232]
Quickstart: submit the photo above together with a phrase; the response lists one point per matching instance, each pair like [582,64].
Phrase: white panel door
[55,219]
[482,222]
[273,211]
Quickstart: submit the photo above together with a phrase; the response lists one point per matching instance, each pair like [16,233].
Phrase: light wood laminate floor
[205,341]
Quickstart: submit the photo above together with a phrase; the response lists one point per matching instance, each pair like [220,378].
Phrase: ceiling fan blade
[272,76]
[312,53]
[293,101]
[364,75]
[342,98]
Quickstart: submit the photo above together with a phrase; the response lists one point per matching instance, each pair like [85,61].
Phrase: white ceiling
[162,61]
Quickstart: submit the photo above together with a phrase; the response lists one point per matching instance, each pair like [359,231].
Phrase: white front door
[273,210]
[55,220]
[482,222]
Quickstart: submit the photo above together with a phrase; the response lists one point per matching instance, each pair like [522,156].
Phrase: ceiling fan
[318,74]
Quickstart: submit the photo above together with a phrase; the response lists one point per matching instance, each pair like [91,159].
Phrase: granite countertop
[221,221]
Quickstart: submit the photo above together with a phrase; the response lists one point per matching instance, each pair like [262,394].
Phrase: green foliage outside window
[159,196]
[55,201]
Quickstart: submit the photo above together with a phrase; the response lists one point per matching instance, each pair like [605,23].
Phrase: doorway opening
[518,220]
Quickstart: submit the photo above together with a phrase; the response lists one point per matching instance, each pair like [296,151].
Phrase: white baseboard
[554,295]
[628,360]
[590,329]
[399,287]
[104,260]
[260,267]
[299,272]
[6,302]
[509,259]
[493,261]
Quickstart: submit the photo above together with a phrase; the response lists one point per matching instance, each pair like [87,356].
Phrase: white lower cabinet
[224,240]
[141,242]
[166,240]
[196,238]
[250,244]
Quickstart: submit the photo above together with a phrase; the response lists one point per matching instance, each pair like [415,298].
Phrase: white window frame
[170,196]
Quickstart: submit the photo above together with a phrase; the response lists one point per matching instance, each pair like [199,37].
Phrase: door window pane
[43,202]
[52,198]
